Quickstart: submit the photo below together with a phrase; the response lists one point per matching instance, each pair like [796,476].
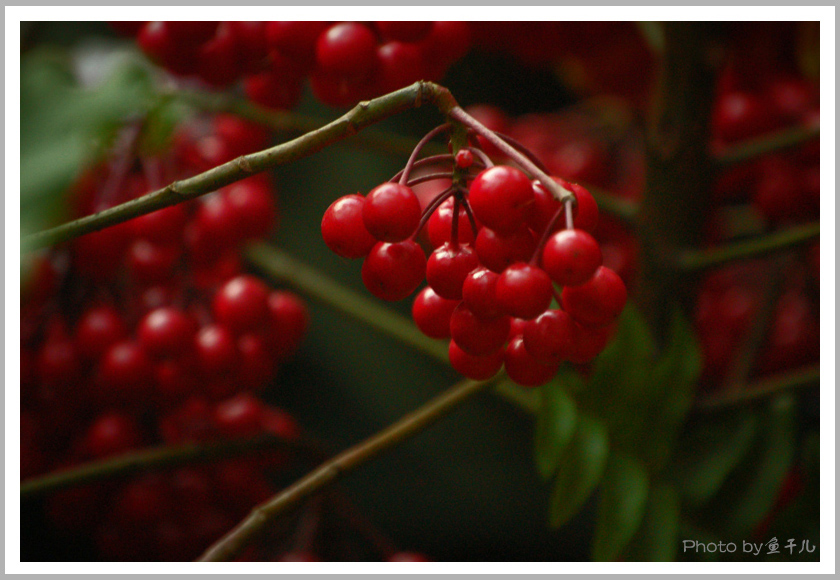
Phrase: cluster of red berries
[492,270]
[151,332]
[345,62]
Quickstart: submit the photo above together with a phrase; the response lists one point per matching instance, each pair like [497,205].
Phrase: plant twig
[361,116]
[282,267]
[415,422]
[778,141]
[761,389]
[710,258]
[157,457]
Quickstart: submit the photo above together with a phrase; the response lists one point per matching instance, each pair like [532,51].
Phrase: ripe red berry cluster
[493,271]
[344,62]
[151,332]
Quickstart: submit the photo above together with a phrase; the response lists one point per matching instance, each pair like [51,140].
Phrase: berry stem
[549,229]
[778,141]
[456,208]
[556,190]
[428,177]
[409,165]
[483,157]
[431,160]
[415,422]
[430,209]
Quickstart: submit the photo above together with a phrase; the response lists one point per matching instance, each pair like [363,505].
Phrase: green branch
[361,116]
[415,422]
[281,267]
[778,141]
[691,260]
[157,457]
[289,122]
[761,389]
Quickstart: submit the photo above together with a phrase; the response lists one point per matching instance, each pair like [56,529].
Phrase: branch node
[243,164]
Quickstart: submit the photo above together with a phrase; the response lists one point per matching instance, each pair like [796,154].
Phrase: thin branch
[156,457]
[778,141]
[415,422]
[288,121]
[282,267]
[692,260]
[761,389]
[361,116]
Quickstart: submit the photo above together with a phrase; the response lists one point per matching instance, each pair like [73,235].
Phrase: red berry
[501,198]
[347,48]
[112,433]
[550,338]
[98,328]
[238,416]
[589,342]
[570,257]
[253,207]
[479,293]
[150,263]
[124,371]
[343,228]
[398,65]
[295,38]
[242,304]
[273,91]
[448,267]
[524,291]
[597,302]
[216,351]
[478,368]
[740,115]
[58,363]
[165,331]
[439,225]
[497,252]
[582,159]
[219,62]
[164,226]
[393,271]
[464,158]
[290,319]
[524,369]
[391,212]
[476,336]
[431,313]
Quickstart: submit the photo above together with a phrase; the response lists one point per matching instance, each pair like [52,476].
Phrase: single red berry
[501,197]
[343,228]
[582,159]
[240,136]
[143,500]
[464,158]
[124,371]
[258,364]
[216,351]
[290,319]
[478,368]
[219,61]
[98,328]
[58,363]
[165,331]
[597,302]
[448,267]
[295,38]
[447,41]
[585,213]
[175,379]
[346,48]
[149,263]
[164,226]
[496,252]
[242,304]
[570,257]
[524,291]
[431,313]
[239,416]
[479,293]
[740,115]
[393,271]
[253,206]
[589,342]
[251,43]
[477,336]
[398,65]
[112,433]
[524,369]
[391,212]
[550,338]
[439,225]
[216,223]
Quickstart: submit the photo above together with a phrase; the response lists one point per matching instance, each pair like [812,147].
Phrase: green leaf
[621,506]
[65,126]
[752,490]
[710,449]
[657,538]
[579,470]
[556,421]
[670,392]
